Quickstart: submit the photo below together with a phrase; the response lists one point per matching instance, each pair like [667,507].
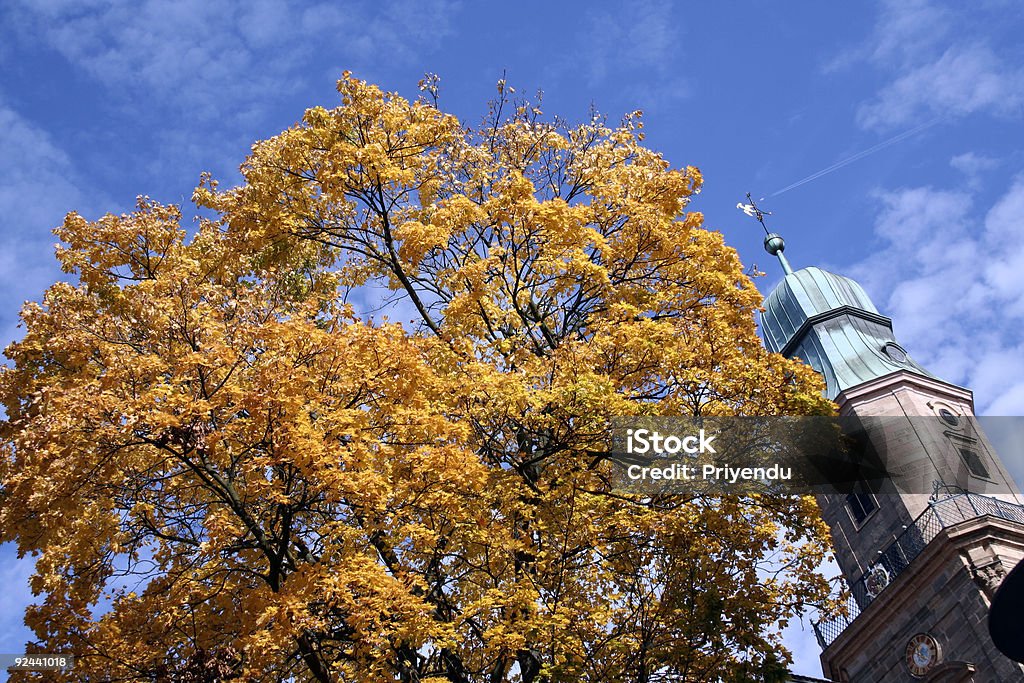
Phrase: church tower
[922,559]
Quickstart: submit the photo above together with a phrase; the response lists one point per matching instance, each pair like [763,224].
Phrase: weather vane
[773,242]
[754,212]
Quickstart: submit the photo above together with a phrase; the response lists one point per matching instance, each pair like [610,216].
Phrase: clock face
[922,654]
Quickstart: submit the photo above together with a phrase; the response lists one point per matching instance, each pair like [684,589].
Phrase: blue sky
[101,101]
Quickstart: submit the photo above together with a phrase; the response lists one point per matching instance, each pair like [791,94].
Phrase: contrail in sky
[860,155]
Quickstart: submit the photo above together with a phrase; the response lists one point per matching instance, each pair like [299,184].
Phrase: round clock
[922,654]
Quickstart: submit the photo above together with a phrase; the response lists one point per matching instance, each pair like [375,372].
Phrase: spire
[775,245]
[773,242]
[828,321]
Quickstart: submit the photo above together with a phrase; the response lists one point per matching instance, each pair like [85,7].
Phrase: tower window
[895,353]
[948,417]
[860,502]
[974,463]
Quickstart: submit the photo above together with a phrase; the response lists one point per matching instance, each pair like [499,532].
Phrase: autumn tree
[224,471]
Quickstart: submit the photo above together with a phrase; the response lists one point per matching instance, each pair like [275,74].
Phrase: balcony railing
[897,556]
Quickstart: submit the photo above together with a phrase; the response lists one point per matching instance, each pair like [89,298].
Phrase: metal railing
[897,556]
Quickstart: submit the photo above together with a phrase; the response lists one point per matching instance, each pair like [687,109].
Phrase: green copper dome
[829,322]
[803,294]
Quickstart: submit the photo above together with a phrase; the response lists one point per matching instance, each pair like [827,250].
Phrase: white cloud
[973,166]
[950,278]
[207,59]
[964,80]
[971,163]
[38,189]
[1009,403]
[935,61]
[904,30]
[641,37]
[210,77]
[908,28]
[1004,226]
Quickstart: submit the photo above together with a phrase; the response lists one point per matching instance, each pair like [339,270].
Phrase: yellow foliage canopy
[219,464]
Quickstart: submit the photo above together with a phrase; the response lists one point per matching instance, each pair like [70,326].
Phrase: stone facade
[898,398]
[938,595]
[923,551]
[945,590]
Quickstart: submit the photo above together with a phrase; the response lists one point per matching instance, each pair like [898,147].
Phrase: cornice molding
[886,383]
[810,322]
